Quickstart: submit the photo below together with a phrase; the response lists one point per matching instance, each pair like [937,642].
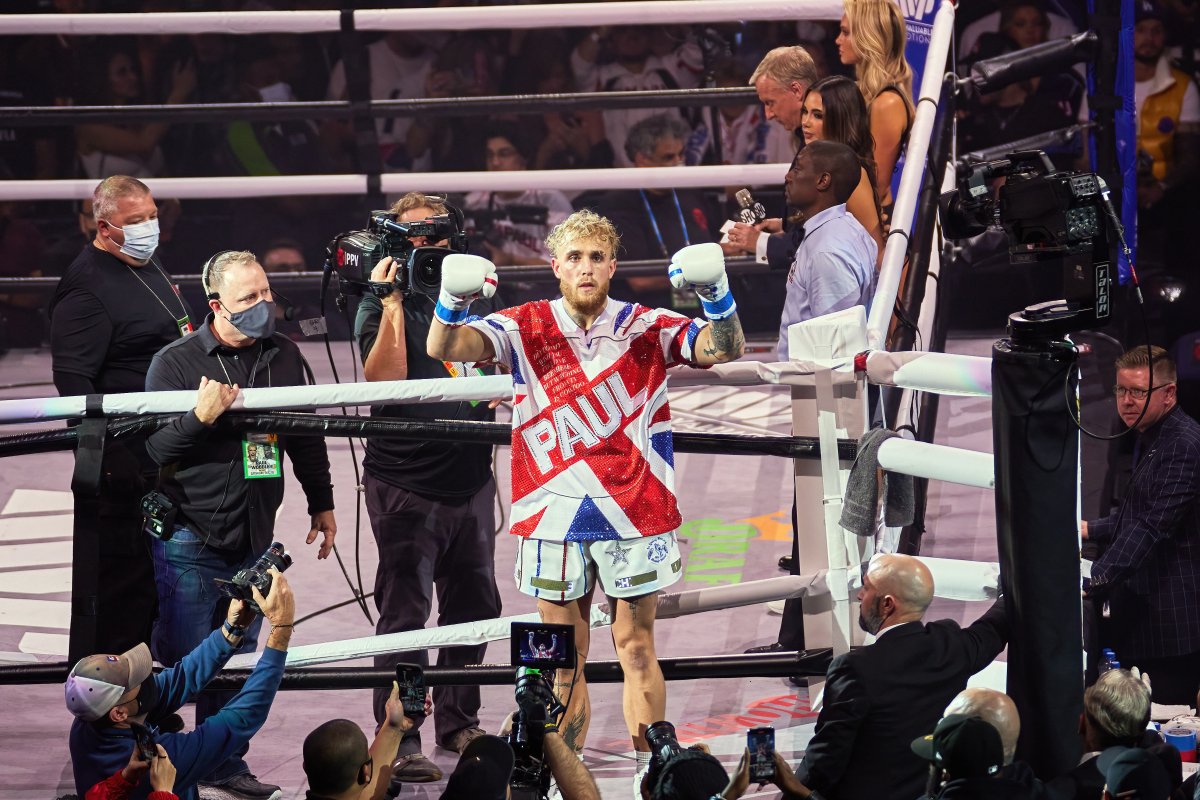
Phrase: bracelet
[288,625]
[233,631]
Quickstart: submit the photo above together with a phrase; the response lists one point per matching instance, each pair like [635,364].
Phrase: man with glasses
[1146,579]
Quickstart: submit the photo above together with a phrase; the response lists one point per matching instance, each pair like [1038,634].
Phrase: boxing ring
[833,360]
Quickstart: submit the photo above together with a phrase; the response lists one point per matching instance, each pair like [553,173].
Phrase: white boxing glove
[464,278]
[702,267]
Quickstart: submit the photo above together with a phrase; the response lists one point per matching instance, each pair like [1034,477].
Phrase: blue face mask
[141,239]
[257,321]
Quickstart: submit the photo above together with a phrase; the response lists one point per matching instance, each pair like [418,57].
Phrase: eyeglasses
[1137,394]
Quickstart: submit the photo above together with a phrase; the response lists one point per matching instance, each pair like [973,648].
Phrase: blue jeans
[189,609]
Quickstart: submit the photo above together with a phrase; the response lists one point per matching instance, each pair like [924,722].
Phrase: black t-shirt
[107,320]
[445,471]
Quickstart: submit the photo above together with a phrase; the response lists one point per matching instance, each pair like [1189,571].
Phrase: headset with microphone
[289,310]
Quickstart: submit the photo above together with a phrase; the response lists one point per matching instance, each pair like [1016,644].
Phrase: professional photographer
[121,784]
[117,700]
[537,746]
[223,489]
[338,764]
[431,504]
[114,308]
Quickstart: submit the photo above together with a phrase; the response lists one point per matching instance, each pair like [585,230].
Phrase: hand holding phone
[147,750]
[411,679]
[761,744]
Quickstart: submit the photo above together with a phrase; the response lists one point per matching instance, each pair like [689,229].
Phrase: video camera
[537,651]
[354,254]
[1049,217]
[238,587]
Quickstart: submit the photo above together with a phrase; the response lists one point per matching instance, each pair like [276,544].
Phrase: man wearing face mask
[114,308]
[879,698]
[227,487]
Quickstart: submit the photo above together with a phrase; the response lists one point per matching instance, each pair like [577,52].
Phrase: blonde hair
[879,33]
[584,224]
[787,65]
[419,200]
[108,194]
[212,275]
[1137,358]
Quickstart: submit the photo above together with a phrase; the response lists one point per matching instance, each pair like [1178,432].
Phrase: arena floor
[725,494]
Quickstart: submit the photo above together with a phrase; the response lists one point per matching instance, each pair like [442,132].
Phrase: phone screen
[145,742]
[543,646]
[411,678]
[761,744]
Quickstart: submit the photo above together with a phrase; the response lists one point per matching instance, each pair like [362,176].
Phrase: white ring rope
[401,182]
[584,15]
[954,580]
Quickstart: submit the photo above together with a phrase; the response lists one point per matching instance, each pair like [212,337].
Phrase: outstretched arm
[464,278]
[721,340]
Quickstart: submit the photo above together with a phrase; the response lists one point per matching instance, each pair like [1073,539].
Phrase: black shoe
[786,563]
[239,787]
[775,647]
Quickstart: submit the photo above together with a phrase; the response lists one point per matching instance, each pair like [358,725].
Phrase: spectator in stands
[781,79]
[745,132]
[338,764]
[514,224]
[834,111]
[654,223]
[122,783]
[872,40]
[400,64]
[881,697]
[1133,773]
[462,68]
[835,263]
[998,710]
[1167,105]
[1116,711]
[108,693]
[105,149]
[969,753]
[283,255]
[1056,26]
[634,68]
[568,139]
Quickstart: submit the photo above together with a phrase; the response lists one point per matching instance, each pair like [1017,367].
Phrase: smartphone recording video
[761,744]
[542,646]
[411,678]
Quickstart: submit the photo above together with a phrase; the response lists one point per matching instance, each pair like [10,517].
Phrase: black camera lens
[662,740]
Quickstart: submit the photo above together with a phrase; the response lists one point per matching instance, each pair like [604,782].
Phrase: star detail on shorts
[620,555]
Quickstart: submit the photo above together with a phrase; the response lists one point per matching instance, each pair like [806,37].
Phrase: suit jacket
[881,697]
[1149,567]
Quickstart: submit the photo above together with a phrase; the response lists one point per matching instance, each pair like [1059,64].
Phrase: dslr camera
[537,652]
[352,255]
[238,587]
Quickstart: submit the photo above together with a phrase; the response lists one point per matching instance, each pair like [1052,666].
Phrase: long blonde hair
[879,33]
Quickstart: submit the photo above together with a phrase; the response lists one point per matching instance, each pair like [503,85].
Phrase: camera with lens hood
[239,586]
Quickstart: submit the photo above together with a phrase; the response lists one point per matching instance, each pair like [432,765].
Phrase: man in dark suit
[879,698]
[1145,579]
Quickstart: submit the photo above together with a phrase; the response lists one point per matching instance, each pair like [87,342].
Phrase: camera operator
[108,694]
[508,237]
[431,506]
[122,783]
[338,764]
[570,775]
[112,311]
[226,495]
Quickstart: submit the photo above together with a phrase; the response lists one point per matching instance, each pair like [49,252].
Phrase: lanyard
[184,322]
[253,369]
[654,222]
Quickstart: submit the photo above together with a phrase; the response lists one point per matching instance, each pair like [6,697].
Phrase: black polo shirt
[204,475]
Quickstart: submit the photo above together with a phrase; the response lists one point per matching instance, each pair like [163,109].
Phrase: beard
[588,304]
[1147,59]
[869,619]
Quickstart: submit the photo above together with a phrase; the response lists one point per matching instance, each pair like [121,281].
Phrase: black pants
[423,545]
[791,628]
[127,600]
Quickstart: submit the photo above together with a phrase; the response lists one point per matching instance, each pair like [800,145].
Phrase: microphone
[750,211]
[289,310]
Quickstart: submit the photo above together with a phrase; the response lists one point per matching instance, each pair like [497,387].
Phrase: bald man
[881,697]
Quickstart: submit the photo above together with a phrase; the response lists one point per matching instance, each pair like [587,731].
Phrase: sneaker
[460,739]
[638,777]
[415,768]
[239,787]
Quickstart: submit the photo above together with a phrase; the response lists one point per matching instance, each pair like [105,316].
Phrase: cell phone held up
[411,679]
[144,739]
[761,744]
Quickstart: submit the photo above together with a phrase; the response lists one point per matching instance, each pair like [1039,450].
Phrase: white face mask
[141,239]
[277,93]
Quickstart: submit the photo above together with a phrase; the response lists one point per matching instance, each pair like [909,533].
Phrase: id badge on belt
[260,456]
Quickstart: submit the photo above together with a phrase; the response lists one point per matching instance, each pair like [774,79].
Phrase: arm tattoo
[726,337]
[574,730]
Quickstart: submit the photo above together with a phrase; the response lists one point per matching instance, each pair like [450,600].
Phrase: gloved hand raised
[702,267]
[464,278]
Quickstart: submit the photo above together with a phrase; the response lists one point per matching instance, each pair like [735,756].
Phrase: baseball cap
[482,772]
[97,683]
[965,746]
[1146,9]
[1128,769]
